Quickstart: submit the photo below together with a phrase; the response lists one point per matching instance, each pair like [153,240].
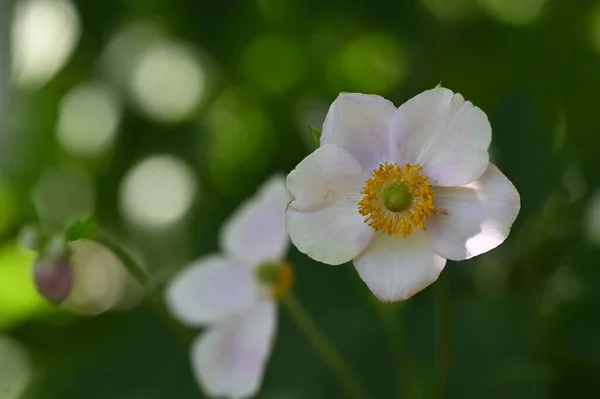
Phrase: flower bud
[53,279]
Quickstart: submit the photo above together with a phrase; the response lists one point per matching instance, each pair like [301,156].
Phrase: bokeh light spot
[64,194]
[168,81]
[88,119]
[594,27]
[44,35]
[278,10]
[16,371]
[514,12]
[273,64]
[451,10]
[372,63]
[562,286]
[100,279]
[240,142]
[120,56]
[19,298]
[158,191]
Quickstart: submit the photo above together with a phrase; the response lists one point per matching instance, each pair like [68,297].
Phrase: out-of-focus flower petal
[229,359]
[323,219]
[256,233]
[397,268]
[100,280]
[474,218]
[211,289]
[359,123]
[446,135]
[17,371]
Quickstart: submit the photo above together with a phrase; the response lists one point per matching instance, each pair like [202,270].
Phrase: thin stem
[407,383]
[443,332]
[324,347]
[387,317]
[141,276]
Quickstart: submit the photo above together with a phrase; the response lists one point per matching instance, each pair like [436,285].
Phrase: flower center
[397,199]
[278,276]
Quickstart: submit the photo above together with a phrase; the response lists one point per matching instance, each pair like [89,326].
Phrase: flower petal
[324,177]
[210,289]
[255,233]
[323,219]
[397,268]
[474,218]
[359,123]
[229,359]
[446,135]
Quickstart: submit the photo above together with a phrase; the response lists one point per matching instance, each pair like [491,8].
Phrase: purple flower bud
[53,279]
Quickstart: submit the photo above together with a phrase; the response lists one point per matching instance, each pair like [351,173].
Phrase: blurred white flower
[43,36]
[400,190]
[233,295]
[16,368]
[101,281]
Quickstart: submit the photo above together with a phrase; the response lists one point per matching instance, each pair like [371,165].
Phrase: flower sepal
[81,228]
[316,135]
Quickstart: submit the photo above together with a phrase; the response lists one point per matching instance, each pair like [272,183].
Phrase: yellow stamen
[284,281]
[383,185]
[278,276]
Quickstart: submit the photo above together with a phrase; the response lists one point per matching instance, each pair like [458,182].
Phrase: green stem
[407,382]
[152,295]
[443,332]
[324,347]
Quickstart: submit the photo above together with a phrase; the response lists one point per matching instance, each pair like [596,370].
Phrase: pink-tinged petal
[255,233]
[229,359]
[211,289]
[323,220]
[330,235]
[397,268]
[326,176]
[446,135]
[474,218]
[359,123]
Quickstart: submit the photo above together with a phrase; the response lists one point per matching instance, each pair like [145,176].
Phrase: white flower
[400,190]
[233,295]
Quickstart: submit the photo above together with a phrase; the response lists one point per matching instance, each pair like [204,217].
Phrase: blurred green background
[161,116]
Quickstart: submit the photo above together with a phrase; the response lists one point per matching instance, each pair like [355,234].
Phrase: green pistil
[396,197]
[268,272]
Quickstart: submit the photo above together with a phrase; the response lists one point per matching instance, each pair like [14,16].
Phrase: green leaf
[316,135]
[84,227]
[439,85]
